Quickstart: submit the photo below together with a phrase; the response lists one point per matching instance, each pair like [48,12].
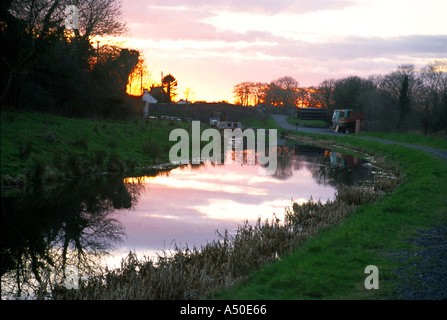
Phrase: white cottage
[147,98]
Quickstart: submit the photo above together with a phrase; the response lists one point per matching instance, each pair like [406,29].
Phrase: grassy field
[331,265]
[267,123]
[42,147]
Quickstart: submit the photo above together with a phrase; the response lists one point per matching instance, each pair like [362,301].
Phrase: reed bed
[195,273]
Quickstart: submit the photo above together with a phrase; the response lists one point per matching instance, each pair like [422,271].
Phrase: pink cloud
[181,40]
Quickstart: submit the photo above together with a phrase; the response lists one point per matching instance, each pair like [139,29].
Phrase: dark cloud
[415,45]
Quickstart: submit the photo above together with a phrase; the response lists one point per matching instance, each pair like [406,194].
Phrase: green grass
[47,147]
[410,138]
[331,265]
[268,123]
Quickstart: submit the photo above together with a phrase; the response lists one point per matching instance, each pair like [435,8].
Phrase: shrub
[151,149]
[37,170]
[25,149]
[74,164]
[98,157]
[115,163]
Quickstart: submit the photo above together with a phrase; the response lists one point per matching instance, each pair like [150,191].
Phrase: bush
[37,170]
[115,163]
[74,164]
[25,149]
[98,157]
[151,149]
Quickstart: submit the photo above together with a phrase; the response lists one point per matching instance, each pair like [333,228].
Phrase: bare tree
[302,97]
[434,108]
[325,93]
[188,94]
[393,81]
[38,15]
[404,85]
[243,93]
[283,92]
[98,17]
[138,77]
[259,90]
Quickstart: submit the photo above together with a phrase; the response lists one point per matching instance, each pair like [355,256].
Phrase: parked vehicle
[214,121]
[229,125]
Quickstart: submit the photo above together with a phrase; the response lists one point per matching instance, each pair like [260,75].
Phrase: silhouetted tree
[433,110]
[347,92]
[404,101]
[99,17]
[325,93]
[282,92]
[243,93]
[47,67]
[170,86]
[259,91]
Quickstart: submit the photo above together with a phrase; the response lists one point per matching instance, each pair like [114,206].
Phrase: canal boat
[347,120]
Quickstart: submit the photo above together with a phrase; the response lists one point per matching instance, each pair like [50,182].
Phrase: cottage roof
[148,98]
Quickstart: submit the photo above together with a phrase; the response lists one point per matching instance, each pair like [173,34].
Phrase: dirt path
[282,121]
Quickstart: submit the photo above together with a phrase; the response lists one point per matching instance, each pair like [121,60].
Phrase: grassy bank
[410,138]
[45,148]
[331,265]
[266,123]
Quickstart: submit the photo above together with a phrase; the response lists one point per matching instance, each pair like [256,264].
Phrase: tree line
[404,99]
[48,66]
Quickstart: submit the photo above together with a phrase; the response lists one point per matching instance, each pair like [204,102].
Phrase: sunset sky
[210,46]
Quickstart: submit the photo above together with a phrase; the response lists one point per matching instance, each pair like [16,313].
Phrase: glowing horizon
[210,46]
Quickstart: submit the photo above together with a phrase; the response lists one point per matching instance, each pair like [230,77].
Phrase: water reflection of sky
[189,205]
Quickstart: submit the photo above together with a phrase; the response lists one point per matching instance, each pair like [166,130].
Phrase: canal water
[90,223]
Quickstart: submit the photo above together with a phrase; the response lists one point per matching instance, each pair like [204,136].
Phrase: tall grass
[198,272]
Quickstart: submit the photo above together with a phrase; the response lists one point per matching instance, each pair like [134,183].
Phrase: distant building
[148,99]
[159,94]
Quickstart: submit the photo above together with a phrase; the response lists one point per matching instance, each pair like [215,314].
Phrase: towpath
[282,122]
